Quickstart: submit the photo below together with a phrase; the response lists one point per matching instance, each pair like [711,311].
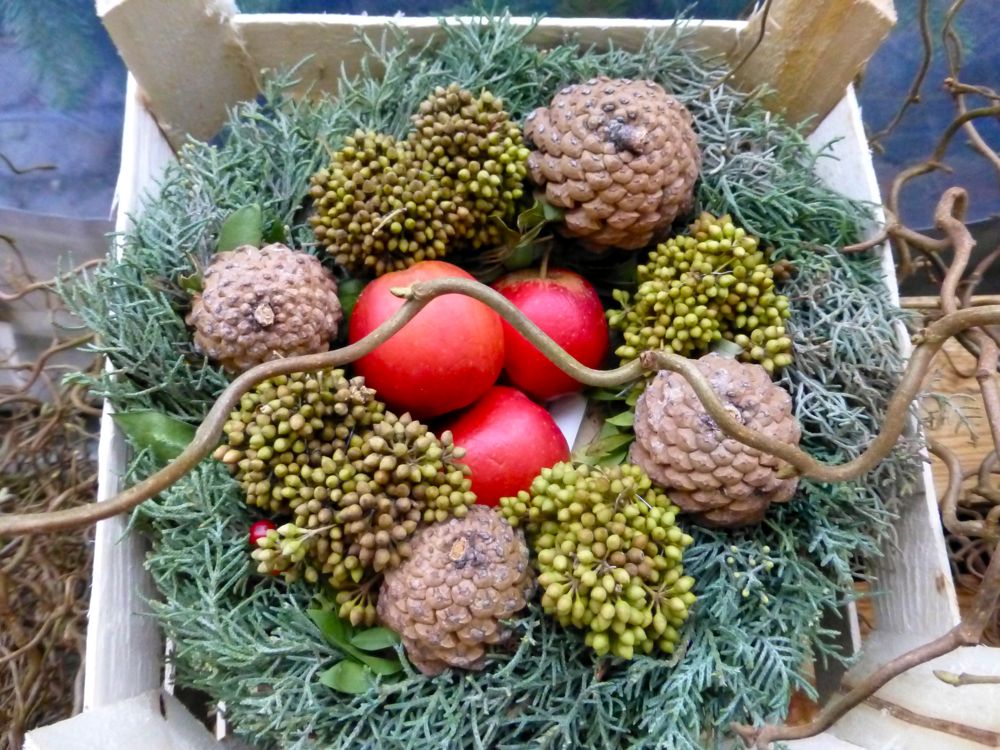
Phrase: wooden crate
[160,42]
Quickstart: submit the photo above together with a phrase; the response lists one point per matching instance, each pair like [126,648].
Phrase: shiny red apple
[566,307]
[508,439]
[445,358]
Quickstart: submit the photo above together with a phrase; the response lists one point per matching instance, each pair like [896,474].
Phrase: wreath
[256,644]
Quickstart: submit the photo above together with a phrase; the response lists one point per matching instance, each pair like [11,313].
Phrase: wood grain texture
[187,59]
[810,51]
[124,649]
[280,41]
[952,375]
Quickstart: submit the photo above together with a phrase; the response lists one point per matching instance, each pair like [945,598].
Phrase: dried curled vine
[969,632]
[46,433]
[417,296]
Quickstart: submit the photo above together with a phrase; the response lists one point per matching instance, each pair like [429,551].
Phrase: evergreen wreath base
[762,592]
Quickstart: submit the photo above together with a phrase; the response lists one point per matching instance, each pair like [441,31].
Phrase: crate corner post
[188,46]
[807,53]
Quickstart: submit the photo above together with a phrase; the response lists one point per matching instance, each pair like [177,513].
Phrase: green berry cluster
[356,480]
[608,552]
[384,204]
[288,424]
[710,284]
[477,153]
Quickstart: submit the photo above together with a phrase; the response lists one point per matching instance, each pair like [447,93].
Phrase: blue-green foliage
[247,640]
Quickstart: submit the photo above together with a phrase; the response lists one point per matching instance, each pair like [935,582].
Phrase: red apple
[508,439]
[445,358]
[566,307]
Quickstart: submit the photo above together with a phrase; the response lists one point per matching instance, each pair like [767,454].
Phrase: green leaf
[348,677]
[275,232]
[614,458]
[522,257]
[540,212]
[375,639]
[245,226]
[336,630]
[340,633]
[625,419]
[348,292]
[378,665]
[608,430]
[550,212]
[610,444]
[164,436]
[191,283]
[532,216]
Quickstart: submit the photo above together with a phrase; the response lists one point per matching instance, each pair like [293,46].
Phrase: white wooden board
[123,643]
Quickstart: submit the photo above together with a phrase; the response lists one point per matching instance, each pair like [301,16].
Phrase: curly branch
[419,295]
[967,633]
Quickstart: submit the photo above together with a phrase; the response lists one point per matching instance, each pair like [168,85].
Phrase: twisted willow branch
[932,338]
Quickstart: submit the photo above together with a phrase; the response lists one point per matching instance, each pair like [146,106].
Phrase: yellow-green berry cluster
[356,480]
[384,204]
[712,283]
[609,555]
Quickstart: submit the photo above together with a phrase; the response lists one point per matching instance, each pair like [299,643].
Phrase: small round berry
[259,530]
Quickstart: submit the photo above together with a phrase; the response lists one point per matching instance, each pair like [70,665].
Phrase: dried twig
[931,339]
[958,680]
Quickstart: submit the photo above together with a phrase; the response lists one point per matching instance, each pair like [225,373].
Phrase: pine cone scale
[717,479]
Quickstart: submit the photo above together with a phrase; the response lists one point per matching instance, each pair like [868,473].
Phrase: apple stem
[543,272]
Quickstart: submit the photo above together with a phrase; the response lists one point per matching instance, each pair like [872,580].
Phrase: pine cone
[718,479]
[465,576]
[261,304]
[619,156]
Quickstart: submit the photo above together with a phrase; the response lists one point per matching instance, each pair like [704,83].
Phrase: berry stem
[543,271]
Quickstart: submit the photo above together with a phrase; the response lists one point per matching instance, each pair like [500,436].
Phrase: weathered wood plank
[810,51]
[124,650]
[186,57]
[280,41]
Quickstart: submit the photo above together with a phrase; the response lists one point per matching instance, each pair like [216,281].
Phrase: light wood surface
[193,59]
[952,375]
[810,51]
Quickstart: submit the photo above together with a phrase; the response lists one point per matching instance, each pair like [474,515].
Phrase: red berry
[259,530]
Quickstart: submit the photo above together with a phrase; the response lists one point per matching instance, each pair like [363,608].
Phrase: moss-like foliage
[762,592]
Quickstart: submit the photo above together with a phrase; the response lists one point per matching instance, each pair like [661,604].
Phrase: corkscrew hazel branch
[417,297]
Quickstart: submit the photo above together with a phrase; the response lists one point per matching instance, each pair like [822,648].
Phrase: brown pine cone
[619,156]
[261,304]
[714,477]
[464,577]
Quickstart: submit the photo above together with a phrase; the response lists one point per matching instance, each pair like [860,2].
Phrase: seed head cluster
[712,283]
[356,480]
[608,552]
[384,203]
